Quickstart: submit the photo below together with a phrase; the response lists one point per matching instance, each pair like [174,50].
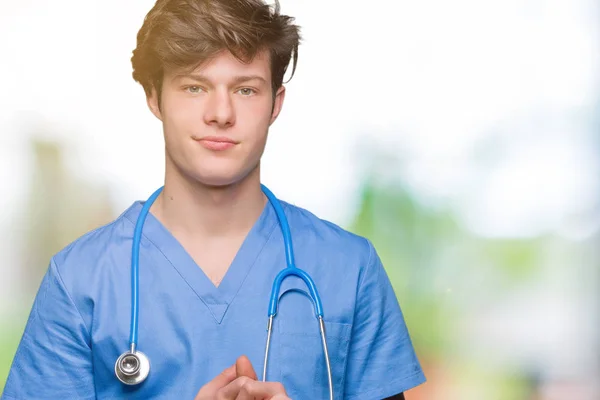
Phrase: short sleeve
[53,359]
[382,361]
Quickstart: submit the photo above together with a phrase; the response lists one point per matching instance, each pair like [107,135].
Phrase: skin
[211,199]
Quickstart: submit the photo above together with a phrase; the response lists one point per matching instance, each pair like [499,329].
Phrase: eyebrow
[237,80]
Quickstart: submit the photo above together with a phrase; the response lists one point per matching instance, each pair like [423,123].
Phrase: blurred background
[462,138]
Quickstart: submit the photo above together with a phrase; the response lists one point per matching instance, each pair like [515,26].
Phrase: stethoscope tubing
[135,269]
[290,270]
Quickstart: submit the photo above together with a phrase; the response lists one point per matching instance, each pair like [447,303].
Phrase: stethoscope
[133,366]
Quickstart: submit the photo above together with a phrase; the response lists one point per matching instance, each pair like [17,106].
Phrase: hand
[239,382]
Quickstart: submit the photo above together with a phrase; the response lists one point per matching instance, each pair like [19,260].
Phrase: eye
[193,89]
[247,91]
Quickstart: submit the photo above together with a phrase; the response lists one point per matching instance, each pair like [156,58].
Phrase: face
[216,118]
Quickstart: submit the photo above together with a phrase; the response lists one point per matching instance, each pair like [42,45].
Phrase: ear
[153,104]
[278,103]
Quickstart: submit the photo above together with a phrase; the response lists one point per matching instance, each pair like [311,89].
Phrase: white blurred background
[462,137]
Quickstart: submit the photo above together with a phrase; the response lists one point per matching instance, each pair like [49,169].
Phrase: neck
[198,210]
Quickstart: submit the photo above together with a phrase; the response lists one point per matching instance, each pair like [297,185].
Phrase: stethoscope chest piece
[132,368]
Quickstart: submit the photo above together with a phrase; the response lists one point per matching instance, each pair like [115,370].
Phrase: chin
[216,174]
[216,181]
[216,178]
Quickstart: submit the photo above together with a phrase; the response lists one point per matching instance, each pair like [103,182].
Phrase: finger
[232,389]
[243,367]
[220,381]
[280,397]
[261,390]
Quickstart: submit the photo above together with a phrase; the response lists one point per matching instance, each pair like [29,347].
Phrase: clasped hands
[239,382]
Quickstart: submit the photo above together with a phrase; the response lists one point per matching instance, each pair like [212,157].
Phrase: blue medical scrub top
[192,330]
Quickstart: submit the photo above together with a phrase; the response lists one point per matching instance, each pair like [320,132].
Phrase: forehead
[225,66]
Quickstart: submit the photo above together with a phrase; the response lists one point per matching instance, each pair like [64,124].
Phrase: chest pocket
[301,358]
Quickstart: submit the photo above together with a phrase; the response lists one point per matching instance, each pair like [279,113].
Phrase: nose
[219,109]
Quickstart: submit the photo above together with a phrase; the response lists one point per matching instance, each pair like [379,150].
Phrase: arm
[54,358]
[382,361]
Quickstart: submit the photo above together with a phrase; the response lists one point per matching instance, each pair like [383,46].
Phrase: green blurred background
[462,138]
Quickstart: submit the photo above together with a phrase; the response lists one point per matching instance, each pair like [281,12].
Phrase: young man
[212,246]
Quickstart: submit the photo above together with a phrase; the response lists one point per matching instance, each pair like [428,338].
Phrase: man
[213,73]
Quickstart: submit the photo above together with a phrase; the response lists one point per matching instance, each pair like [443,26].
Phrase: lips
[217,139]
[216,143]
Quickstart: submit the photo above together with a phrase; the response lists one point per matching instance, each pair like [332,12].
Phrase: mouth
[216,143]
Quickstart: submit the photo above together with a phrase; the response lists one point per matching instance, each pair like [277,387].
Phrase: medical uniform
[191,330]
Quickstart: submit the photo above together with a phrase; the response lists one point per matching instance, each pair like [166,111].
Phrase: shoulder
[328,238]
[81,258]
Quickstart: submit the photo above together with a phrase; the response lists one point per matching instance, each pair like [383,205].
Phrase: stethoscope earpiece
[132,368]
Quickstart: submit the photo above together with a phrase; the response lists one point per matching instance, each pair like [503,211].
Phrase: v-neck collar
[216,298]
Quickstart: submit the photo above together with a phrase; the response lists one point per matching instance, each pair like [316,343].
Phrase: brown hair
[186,33]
